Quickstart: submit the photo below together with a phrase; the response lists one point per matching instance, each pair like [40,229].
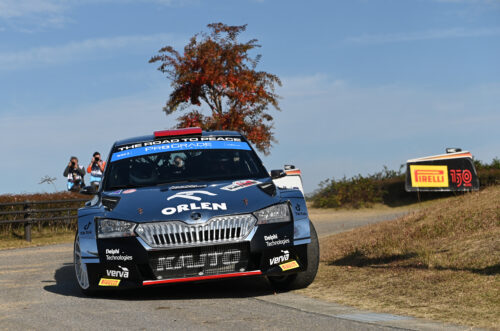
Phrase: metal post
[27,224]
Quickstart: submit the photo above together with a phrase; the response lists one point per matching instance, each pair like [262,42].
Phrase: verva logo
[429,176]
[122,273]
[461,177]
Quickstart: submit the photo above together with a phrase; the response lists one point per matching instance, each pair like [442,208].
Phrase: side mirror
[88,190]
[275,174]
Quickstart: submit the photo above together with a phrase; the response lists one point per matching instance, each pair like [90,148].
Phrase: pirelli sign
[429,175]
[447,172]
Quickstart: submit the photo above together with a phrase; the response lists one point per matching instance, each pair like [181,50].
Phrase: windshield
[183,166]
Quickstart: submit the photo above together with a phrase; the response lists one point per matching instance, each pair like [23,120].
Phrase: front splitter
[193,279]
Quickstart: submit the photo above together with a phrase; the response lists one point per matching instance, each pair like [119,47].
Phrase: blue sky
[365,83]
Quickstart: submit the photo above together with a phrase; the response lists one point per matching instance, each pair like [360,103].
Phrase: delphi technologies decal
[272,240]
[114,254]
[238,185]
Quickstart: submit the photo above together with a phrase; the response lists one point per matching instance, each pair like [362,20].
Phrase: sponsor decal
[273,240]
[109,282]
[298,210]
[176,140]
[115,255]
[191,195]
[138,150]
[285,255]
[122,273]
[429,175]
[86,229]
[461,177]
[238,185]
[207,260]
[194,206]
[132,190]
[186,187]
[116,192]
[289,265]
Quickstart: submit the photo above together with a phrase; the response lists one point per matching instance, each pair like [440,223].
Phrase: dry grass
[45,236]
[442,263]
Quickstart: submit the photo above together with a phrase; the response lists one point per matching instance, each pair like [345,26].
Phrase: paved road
[38,291]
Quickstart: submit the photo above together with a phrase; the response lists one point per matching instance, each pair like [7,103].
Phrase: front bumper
[129,262]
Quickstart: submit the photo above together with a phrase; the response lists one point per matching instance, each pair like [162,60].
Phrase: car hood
[192,202]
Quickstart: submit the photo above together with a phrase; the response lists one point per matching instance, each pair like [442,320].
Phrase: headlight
[274,214]
[107,228]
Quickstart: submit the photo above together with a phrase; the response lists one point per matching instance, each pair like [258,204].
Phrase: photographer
[96,169]
[75,175]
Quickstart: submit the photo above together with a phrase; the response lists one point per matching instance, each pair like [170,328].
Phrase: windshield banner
[174,147]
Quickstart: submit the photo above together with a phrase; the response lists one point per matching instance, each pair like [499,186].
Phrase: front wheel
[81,273]
[305,278]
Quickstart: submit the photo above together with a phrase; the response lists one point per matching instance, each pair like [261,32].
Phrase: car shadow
[65,284]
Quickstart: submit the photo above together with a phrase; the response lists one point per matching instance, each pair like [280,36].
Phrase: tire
[305,278]
[81,272]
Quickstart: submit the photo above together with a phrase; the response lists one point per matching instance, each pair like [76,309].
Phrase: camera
[73,163]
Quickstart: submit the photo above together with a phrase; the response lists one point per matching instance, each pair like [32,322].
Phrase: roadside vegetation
[441,262]
[386,187]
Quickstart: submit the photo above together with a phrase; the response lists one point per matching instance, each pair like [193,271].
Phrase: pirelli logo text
[109,282]
[289,265]
[429,175]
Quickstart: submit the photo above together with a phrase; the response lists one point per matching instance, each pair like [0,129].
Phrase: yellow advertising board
[429,175]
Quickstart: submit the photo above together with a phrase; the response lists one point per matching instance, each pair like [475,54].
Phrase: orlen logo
[429,176]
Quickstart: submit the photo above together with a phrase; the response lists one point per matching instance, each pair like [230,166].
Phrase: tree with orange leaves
[217,70]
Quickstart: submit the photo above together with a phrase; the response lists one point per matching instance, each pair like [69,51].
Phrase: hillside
[441,262]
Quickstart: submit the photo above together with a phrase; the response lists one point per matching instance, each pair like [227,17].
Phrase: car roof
[150,137]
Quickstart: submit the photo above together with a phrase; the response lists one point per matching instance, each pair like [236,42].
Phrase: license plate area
[200,261]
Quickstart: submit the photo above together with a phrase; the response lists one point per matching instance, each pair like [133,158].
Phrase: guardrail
[30,209]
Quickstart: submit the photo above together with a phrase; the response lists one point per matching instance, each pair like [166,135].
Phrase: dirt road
[38,291]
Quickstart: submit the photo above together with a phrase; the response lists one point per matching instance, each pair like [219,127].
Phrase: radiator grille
[223,229]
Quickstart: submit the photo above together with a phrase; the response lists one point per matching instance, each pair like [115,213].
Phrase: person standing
[96,169]
[75,174]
